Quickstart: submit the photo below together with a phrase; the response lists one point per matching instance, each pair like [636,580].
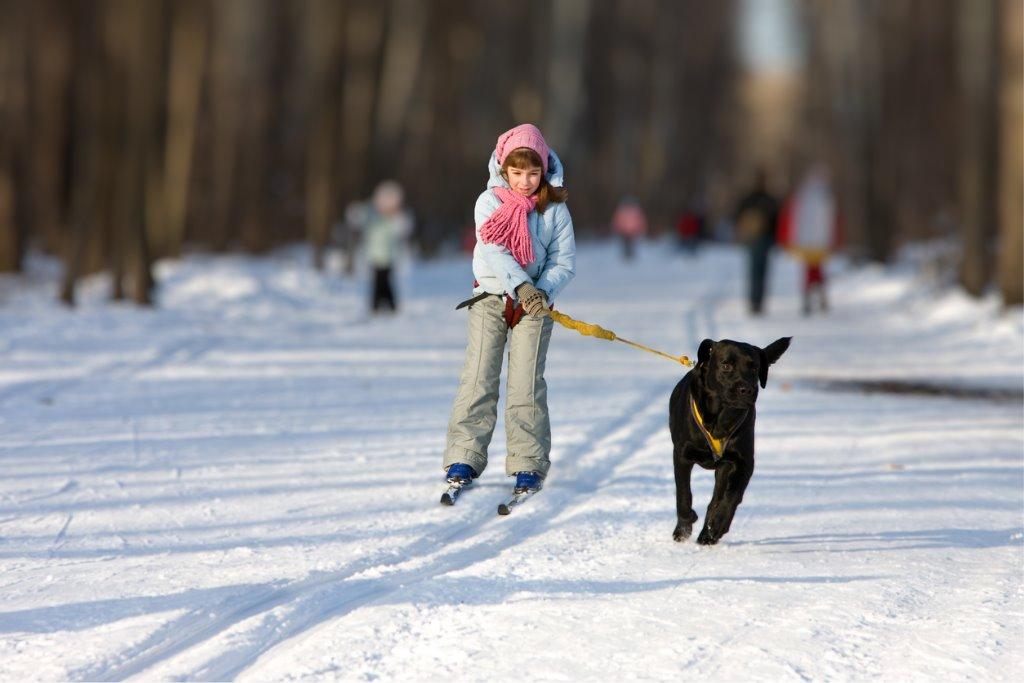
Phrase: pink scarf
[508,227]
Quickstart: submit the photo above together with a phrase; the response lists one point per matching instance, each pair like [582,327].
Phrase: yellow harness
[717,445]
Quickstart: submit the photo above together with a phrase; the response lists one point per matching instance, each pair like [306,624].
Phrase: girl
[525,255]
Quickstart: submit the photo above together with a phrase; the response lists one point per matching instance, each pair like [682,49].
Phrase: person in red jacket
[690,228]
[810,228]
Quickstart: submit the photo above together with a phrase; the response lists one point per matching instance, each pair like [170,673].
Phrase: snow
[242,484]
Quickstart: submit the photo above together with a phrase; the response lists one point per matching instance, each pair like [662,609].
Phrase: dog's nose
[744,390]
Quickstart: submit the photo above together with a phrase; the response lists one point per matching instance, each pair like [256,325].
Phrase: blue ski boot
[460,472]
[528,481]
[527,484]
[458,476]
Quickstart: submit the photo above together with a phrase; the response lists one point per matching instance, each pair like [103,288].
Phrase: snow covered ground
[243,484]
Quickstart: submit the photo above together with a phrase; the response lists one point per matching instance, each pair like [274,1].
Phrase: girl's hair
[526,158]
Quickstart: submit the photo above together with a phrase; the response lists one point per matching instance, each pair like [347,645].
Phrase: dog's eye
[727,367]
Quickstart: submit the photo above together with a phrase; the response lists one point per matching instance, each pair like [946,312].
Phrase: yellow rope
[591,330]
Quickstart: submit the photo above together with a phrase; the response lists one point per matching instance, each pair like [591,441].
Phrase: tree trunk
[321,42]
[655,143]
[49,87]
[400,68]
[188,52]
[364,27]
[13,120]
[977,52]
[145,90]
[1011,164]
[254,123]
[227,97]
[88,97]
[565,92]
[133,59]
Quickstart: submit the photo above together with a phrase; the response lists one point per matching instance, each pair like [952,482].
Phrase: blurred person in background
[690,226]
[525,255]
[387,225]
[811,230]
[756,222]
[630,223]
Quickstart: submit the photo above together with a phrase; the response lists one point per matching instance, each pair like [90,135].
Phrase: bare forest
[133,129]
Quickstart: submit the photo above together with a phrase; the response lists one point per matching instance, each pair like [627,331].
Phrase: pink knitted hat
[524,135]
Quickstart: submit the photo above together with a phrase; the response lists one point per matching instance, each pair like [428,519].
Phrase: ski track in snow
[384,605]
[309,602]
[488,540]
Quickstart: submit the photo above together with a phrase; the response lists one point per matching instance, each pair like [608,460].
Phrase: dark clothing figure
[757,260]
[383,294]
[689,230]
[756,221]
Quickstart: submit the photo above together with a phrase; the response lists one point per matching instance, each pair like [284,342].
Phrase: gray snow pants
[475,412]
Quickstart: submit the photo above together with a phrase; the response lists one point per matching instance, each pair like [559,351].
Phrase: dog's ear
[704,351]
[770,354]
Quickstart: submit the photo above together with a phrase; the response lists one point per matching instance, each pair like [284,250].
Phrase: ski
[517,499]
[452,494]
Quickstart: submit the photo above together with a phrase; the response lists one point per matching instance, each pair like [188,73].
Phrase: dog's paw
[682,532]
[707,537]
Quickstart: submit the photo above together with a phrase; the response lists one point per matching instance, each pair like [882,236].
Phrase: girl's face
[525,181]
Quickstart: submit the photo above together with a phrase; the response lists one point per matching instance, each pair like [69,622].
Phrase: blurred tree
[904,98]
[879,93]
[702,140]
[231,47]
[86,247]
[133,42]
[321,44]
[186,66]
[978,60]
[13,126]
[1011,153]
[364,29]
[50,75]
[400,69]
[565,79]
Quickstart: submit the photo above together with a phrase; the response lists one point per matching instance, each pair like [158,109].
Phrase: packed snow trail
[243,484]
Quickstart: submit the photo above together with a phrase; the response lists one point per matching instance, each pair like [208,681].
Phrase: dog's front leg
[730,482]
[685,515]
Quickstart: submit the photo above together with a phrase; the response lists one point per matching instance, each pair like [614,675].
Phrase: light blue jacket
[554,245]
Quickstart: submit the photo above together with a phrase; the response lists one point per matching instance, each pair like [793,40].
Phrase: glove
[533,300]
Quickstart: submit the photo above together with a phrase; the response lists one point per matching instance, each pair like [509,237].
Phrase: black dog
[711,417]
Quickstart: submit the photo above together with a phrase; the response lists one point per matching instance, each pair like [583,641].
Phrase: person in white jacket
[811,228]
[387,227]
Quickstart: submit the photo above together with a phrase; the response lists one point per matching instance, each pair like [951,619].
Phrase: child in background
[629,222]
[525,255]
[386,229]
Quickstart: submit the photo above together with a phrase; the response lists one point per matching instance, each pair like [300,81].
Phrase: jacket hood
[555,175]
